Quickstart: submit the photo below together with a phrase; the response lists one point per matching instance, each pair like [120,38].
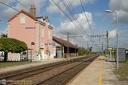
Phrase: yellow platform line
[100,76]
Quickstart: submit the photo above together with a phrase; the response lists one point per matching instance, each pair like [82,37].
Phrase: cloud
[112,33]
[77,26]
[75,33]
[8,12]
[52,8]
[120,6]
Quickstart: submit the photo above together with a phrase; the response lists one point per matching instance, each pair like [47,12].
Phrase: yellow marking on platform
[100,76]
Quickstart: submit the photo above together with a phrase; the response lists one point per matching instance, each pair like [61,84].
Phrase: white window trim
[22,20]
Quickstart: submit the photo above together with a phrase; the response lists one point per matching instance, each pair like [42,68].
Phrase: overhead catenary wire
[22,4]
[9,6]
[65,14]
[76,24]
[86,16]
[69,10]
[28,9]
[69,18]
[68,7]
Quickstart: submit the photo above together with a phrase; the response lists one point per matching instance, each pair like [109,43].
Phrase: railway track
[65,76]
[59,73]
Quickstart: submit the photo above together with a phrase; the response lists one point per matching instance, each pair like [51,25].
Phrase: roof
[44,18]
[22,11]
[64,42]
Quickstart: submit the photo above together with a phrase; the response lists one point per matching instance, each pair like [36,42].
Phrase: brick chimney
[33,10]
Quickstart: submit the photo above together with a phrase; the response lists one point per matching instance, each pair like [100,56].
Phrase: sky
[82,20]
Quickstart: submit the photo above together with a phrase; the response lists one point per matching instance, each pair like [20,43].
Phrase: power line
[71,13]
[70,18]
[86,16]
[32,11]
[22,4]
[64,12]
[9,6]
[69,10]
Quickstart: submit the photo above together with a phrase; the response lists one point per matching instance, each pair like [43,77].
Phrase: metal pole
[102,47]
[68,45]
[117,56]
[31,54]
[107,38]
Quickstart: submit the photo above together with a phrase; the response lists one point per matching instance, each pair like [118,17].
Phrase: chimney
[33,10]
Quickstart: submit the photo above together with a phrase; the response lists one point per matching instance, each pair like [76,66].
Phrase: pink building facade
[28,28]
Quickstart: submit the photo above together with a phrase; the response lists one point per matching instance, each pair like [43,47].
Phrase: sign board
[30,27]
[110,48]
[122,54]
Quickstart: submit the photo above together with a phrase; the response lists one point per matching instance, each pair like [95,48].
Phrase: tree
[1,46]
[82,51]
[3,35]
[12,45]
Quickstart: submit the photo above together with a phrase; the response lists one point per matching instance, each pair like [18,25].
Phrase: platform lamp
[117,57]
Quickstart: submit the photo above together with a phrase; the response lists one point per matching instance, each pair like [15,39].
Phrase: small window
[42,33]
[22,20]
[49,35]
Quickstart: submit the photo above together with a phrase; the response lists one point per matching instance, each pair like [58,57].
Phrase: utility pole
[68,49]
[68,45]
[87,45]
[102,36]
[107,38]
[102,47]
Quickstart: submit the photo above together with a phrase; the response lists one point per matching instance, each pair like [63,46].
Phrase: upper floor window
[42,33]
[22,19]
[49,35]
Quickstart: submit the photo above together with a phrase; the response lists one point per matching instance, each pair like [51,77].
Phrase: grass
[13,63]
[122,72]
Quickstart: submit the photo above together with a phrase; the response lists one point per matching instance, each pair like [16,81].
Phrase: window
[22,19]
[49,35]
[42,33]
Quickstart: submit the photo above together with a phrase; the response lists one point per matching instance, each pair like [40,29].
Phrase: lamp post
[117,57]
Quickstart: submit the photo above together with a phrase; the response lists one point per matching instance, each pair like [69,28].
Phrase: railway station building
[36,32]
[64,48]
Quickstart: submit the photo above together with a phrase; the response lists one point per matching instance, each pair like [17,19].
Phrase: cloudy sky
[81,19]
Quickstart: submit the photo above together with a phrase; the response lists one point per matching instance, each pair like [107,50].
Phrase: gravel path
[109,78]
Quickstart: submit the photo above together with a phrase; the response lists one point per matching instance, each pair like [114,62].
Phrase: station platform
[99,72]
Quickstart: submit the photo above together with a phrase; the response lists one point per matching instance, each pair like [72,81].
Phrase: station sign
[30,28]
[110,48]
